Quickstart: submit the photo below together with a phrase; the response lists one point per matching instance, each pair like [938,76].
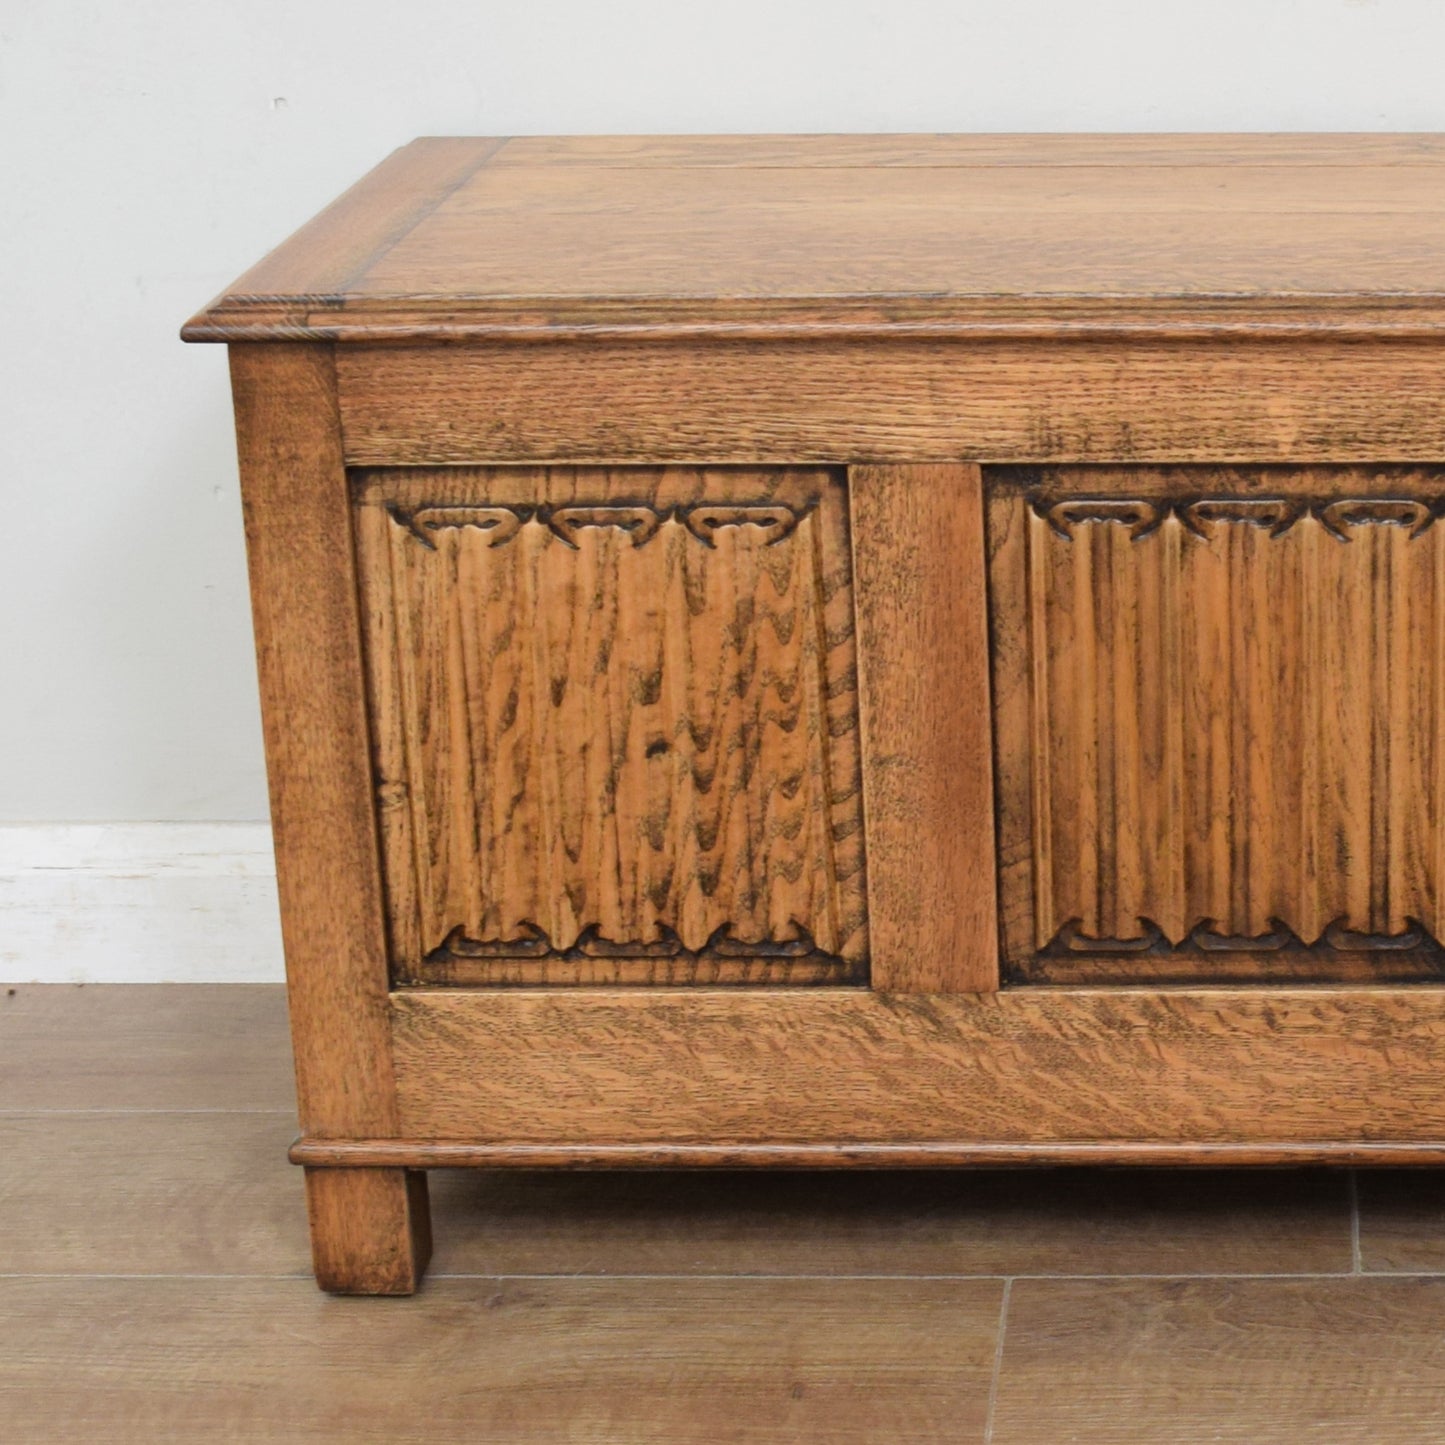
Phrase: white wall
[150,150]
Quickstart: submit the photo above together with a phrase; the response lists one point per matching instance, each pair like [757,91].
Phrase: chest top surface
[463,236]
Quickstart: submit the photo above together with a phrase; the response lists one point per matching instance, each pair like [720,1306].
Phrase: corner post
[318,753]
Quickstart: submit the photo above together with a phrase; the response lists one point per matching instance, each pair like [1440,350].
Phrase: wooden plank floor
[153,1249]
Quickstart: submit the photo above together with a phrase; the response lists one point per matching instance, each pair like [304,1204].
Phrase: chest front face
[617,709]
[841,650]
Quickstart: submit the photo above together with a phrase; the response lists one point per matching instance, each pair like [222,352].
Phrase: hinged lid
[458,238]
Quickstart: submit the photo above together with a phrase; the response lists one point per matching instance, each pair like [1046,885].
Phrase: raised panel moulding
[1219,745]
[615,722]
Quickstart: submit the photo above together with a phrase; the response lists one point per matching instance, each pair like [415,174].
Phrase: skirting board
[138,903]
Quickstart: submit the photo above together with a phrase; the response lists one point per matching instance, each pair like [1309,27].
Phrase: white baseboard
[138,903]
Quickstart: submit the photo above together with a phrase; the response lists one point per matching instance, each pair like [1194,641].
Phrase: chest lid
[464,237]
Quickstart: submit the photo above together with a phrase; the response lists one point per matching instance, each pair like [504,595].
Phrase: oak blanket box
[858,650]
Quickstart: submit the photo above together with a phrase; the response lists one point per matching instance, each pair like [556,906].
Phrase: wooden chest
[867,651]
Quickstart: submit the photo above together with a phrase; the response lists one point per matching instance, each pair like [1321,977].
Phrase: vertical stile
[920,584]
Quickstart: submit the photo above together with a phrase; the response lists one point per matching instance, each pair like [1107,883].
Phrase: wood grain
[1271,1362]
[615,723]
[313,711]
[900,1154]
[370,1230]
[570,233]
[546,235]
[829,1066]
[333,249]
[1219,722]
[984,149]
[895,400]
[271,1362]
[928,769]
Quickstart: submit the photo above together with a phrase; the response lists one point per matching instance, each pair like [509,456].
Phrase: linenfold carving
[615,732]
[1219,700]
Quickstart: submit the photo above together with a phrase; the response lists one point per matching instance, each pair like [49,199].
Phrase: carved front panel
[1219,696]
[614,716]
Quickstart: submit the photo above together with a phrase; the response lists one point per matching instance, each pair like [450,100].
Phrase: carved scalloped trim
[1276,515]
[501,524]
[1139,516]
[497,524]
[703,519]
[640,523]
[1378,511]
[533,943]
[1282,939]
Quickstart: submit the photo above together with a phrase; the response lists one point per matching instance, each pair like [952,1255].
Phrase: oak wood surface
[829,1066]
[896,1154]
[821,232]
[191,1193]
[1251,148]
[544,235]
[615,722]
[900,400]
[1218,728]
[797,308]
[918,551]
[370,1229]
[336,247]
[313,711]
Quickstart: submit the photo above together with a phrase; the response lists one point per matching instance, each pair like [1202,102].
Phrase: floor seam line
[1007,1279]
[80,1278]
